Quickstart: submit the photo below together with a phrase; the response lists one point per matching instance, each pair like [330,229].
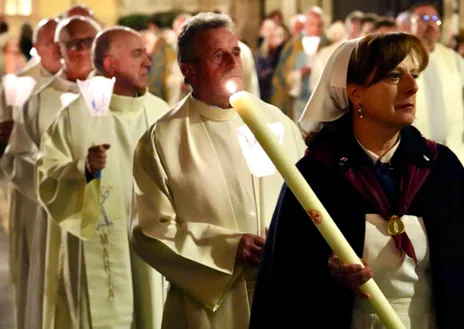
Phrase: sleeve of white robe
[63,191]
[18,161]
[198,258]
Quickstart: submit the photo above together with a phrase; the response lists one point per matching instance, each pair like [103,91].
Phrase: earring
[360,112]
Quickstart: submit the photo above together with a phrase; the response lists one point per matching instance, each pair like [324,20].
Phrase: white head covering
[329,100]
[61,34]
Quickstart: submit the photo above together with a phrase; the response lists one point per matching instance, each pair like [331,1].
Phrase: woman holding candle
[395,196]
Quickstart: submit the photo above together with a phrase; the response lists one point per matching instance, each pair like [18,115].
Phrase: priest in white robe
[86,186]
[204,195]
[17,165]
[439,101]
[19,161]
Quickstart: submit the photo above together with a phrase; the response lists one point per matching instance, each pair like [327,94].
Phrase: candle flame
[231,87]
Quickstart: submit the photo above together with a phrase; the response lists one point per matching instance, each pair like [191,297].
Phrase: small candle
[248,107]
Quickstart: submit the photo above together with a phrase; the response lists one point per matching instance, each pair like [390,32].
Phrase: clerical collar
[44,72]
[384,158]
[212,112]
[62,83]
[128,104]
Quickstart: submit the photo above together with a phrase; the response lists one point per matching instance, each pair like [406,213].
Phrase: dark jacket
[295,289]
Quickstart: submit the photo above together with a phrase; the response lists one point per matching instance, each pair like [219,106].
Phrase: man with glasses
[74,36]
[439,101]
[26,253]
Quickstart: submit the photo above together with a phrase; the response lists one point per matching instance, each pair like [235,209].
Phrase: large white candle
[248,107]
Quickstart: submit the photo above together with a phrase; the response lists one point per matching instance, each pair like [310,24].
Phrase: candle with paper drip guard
[97,92]
[17,90]
[247,107]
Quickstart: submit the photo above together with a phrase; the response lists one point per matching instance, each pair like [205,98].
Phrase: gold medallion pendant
[395,225]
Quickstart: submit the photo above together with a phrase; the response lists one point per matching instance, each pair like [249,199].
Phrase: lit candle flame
[231,87]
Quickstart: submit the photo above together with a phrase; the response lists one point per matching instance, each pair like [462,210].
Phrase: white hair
[61,33]
[295,19]
[336,31]
[102,44]
[195,25]
[42,24]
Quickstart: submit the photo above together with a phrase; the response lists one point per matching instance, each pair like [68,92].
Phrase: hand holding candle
[96,159]
[247,107]
[97,92]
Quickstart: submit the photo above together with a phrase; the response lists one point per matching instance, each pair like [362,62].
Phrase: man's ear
[111,65]
[188,71]
[354,92]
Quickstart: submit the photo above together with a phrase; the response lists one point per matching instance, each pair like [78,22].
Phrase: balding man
[79,10]
[26,262]
[290,84]
[85,184]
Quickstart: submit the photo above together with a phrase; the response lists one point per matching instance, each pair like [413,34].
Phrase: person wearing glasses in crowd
[440,105]
[74,36]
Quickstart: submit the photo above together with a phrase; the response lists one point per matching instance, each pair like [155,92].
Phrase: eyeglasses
[430,19]
[78,44]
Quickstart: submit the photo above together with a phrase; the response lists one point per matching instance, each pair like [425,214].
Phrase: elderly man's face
[129,61]
[76,50]
[314,25]
[218,62]
[425,23]
[48,50]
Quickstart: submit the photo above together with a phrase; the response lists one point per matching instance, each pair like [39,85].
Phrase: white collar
[384,158]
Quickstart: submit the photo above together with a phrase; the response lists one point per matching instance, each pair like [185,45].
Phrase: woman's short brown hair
[376,55]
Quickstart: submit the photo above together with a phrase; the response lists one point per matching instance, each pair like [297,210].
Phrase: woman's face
[392,101]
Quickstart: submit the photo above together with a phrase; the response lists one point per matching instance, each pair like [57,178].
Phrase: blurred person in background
[353,31]
[267,58]
[440,104]
[11,58]
[367,23]
[163,75]
[403,22]
[290,83]
[336,32]
[296,25]
[385,25]
[25,40]
[459,43]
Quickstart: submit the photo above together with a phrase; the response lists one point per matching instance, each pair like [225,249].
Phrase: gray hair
[191,28]
[61,32]
[102,45]
[43,23]
[356,15]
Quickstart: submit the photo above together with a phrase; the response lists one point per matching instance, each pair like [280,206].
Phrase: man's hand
[249,250]
[96,158]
